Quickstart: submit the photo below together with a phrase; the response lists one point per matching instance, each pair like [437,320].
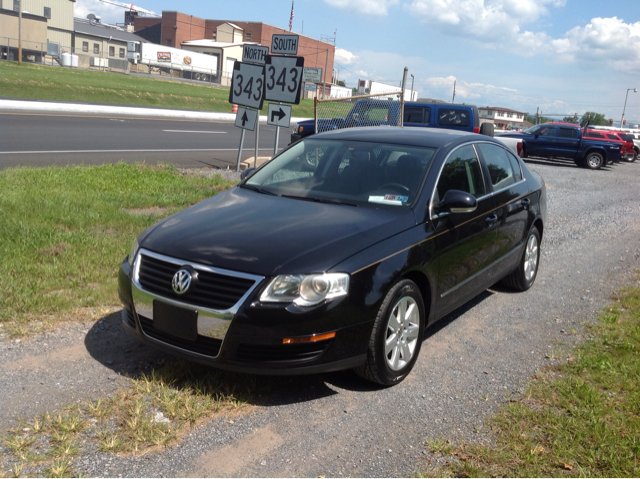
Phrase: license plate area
[174,320]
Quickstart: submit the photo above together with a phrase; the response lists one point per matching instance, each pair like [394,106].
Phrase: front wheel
[523,277]
[594,161]
[632,159]
[396,337]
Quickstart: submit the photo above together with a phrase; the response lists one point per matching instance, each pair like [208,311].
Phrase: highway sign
[246,118]
[283,78]
[284,44]
[247,85]
[312,74]
[254,54]
[279,115]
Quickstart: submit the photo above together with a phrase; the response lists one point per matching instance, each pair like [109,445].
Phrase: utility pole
[454,91]
[404,87]
[19,32]
[537,117]
[324,85]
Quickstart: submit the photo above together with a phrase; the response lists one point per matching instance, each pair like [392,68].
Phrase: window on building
[96,48]
[85,46]
[122,53]
[214,35]
[47,12]
[16,5]
[168,42]
[112,51]
[247,37]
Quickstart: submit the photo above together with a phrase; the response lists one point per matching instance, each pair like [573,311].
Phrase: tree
[570,119]
[532,119]
[594,118]
[341,83]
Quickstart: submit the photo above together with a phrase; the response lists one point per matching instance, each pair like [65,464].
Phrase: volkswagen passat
[337,253]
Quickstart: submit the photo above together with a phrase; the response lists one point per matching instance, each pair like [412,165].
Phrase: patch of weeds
[155,412]
[579,417]
[61,468]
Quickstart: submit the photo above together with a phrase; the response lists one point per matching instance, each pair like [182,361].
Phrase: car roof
[410,136]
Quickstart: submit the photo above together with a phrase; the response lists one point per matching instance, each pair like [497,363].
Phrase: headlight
[306,290]
[133,252]
[295,128]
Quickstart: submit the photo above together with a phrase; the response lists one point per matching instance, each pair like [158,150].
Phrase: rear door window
[498,164]
[453,117]
[417,114]
[568,133]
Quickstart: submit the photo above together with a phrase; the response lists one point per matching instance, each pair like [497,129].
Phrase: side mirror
[456,201]
[246,173]
[355,116]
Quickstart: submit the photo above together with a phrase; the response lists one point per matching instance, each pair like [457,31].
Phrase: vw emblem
[181,281]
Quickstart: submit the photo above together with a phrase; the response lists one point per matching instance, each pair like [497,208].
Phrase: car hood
[246,231]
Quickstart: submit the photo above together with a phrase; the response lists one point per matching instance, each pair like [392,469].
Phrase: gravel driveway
[337,424]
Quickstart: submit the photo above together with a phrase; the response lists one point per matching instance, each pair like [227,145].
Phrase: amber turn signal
[309,339]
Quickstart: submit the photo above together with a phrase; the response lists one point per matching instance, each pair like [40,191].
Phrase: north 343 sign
[247,85]
[283,78]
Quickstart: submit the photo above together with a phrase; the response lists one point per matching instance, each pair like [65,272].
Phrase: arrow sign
[279,115]
[246,118]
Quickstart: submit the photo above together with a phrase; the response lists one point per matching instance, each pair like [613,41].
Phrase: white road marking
[122,151]
[187,131]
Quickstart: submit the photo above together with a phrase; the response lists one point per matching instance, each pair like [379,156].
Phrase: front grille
[203,345]
[211,290]
[281,352]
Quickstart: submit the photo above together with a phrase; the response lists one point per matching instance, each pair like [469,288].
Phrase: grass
[64,232]
[154,413]
[54,83]
[580,417]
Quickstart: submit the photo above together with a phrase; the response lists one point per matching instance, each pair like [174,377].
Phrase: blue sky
[563,56]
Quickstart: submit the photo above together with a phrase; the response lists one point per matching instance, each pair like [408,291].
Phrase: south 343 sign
[283,78]
[247,85]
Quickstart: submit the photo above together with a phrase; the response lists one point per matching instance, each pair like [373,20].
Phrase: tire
[487,129]
[593,160]
[523,277]
[395,341]
[635,157]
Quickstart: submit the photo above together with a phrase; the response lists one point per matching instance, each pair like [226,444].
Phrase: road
[40,140]
[337,425]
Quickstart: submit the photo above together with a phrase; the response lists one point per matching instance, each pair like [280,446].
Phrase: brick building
[175,28]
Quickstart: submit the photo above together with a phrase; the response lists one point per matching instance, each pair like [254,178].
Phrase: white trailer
[200,66]
[370,87]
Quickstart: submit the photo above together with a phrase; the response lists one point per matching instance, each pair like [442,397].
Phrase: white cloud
[367,7]
[109,12]
[499,24]
[442,88]
[344,57]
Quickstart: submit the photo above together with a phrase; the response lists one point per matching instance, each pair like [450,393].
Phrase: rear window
[611,136]
[593,134]
[453,117]
[626,137]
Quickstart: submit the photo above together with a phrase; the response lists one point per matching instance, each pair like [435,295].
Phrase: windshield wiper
[320,200]
[258,189]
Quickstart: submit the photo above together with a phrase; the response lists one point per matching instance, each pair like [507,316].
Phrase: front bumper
[295,137]
[253,340]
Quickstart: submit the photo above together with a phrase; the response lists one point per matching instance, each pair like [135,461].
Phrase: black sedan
[337,253]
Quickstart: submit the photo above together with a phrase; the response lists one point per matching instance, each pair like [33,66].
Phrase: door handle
[492,219]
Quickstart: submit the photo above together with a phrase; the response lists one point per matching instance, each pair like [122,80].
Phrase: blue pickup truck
[425,112]
[564,140]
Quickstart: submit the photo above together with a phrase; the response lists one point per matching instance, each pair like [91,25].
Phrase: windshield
[533,130]
[345,172]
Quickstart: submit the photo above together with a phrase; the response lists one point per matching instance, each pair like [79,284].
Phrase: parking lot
[336,424]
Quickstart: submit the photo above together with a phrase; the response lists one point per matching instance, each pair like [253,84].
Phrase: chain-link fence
[363,110]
